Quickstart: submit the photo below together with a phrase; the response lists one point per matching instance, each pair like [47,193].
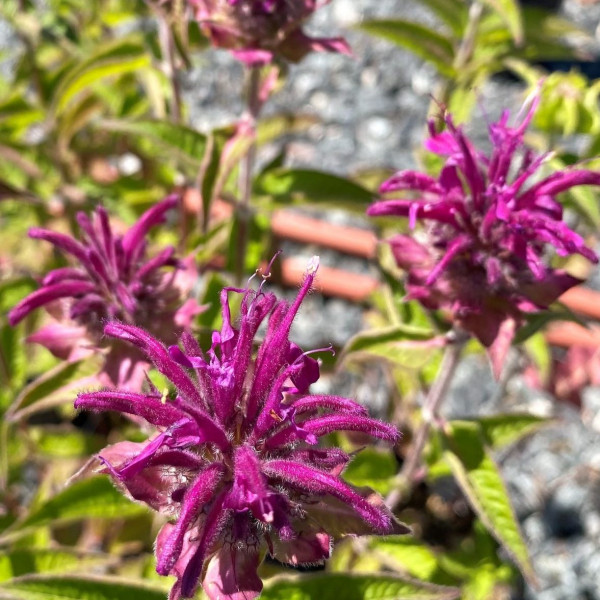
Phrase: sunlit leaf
[426,43]
[72,587]
[334,586]
[480,480]
[58,385]
[65,443]
[312,188]
[21,561]
[500,431]
[453,13]
[94,498]
[372,468]
[510,12]
[113,58]
[411,556]
[401,345]
[182,142]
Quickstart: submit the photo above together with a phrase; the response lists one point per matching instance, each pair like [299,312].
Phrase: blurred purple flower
[484,253]
[112,280]
[258,30]
[236,461]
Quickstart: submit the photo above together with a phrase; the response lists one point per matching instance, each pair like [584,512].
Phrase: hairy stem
[431,407]
[463,55]
[167,46]
[246,170]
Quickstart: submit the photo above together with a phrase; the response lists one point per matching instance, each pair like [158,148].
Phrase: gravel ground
[371,112]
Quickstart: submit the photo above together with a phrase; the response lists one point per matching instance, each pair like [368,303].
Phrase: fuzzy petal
[312,480]
[307,548]
[199,493]
[46,295]
[232,574]
[149,408]
[68,342]
[154,216]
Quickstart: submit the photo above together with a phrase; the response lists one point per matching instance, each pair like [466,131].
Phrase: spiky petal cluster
[258,30]
[113,278]
[484,253]
[235,461]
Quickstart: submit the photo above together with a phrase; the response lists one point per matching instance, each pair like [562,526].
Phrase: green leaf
[372,468]
[184,143]
[21,561]
[114,58]
[426,43]
[536,321]
[402,345]
[500,431]
[335,586]
[14,290]
[453,13]
[488,582]
[538,350]
[94,498]
[475,561]
[312,187]
[65,443]
[13,363]
[546,34]
[77,588]
[58,385]
[411,556]
[271,128]
[584,200]
[510,12]
[480,480]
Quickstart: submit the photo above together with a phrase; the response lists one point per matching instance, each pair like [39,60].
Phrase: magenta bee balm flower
[484,253]
[112,278]
[235,462]
[257,30]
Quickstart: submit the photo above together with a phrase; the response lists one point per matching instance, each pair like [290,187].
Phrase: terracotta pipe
[357,288]
[565,335]
[330,282]
[349,240]
[582,301]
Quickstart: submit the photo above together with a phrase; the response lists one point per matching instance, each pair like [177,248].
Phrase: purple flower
[258,30]
[484,254]
[236,461]
[112,279]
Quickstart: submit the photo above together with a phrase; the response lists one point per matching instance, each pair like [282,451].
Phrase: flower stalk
[253,106]
[167,45]
[456,340]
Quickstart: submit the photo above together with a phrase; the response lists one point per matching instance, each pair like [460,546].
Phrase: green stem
[464,53]
[165,36]
[246,170]
[431,407]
